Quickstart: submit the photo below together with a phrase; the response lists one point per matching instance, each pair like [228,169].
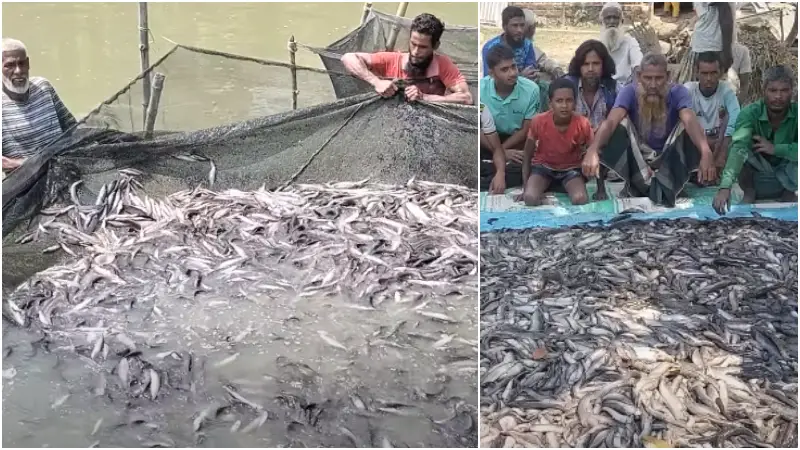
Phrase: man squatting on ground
[491,141]
[715,105]
[33,113]
[624,48]
[592,70]
[512,101]
[554,148]
[429,76]
[650,151]
[763,153]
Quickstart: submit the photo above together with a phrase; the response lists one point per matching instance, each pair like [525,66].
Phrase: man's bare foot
[789,197]
[749,196]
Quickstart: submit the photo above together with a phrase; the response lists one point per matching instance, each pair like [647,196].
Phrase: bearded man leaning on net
[652,137]
[33,113]
[427,74]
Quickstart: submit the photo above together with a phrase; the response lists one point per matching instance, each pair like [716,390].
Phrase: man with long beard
[428,75]
[33,113]
[624,48]
[763,154]
[661,144]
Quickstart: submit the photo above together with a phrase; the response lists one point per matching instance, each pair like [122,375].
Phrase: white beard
[17,89]
[611,37]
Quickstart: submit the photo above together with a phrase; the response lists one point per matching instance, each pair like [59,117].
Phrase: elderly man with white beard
[624,48]
[33,114]
[652,137]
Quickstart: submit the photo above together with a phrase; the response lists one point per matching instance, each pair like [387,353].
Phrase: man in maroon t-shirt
[429,76]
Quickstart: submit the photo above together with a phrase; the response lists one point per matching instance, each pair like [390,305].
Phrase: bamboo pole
[293,69]
[401,12]
[793,32]
[144,53]
[152,107]
[365,13]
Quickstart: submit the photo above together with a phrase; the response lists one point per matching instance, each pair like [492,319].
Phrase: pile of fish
[665,333]
[146,284]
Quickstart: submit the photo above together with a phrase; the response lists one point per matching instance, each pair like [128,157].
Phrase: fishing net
[247,129]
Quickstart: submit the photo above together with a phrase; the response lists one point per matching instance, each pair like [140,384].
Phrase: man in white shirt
[491,140]
[624,48]
[713,32]
[715,105]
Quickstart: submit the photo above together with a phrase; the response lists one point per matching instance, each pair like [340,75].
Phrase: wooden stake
[401,12]
[293,69]
[152,107]
[144,53]
[365,13]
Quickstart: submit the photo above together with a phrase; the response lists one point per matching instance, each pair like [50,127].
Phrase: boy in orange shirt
[554,148]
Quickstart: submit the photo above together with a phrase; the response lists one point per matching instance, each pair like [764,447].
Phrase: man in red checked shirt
[428,75]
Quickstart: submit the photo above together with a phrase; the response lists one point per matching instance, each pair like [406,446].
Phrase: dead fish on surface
[650,333]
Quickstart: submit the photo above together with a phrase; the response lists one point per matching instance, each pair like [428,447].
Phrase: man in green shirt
[513,101]
[763,153]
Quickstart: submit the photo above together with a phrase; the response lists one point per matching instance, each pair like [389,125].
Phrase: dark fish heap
[665,333]
[412,249]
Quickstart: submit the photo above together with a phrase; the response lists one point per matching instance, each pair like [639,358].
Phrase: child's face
[563,103]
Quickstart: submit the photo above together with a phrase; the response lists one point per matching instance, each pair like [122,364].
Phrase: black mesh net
[237,112]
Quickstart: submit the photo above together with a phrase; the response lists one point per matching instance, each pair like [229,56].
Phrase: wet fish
[132,261]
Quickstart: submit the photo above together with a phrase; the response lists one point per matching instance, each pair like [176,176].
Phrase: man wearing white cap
[33,113]
[624,48]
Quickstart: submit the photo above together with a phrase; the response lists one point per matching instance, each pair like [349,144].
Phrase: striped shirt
[31,124]
[598,110]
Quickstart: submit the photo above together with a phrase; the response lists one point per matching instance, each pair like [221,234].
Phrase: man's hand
[514,155]
[413,93]
[722,201]
[762,145]
[498,186]
[707,172]
[591,163]
[385,88]
[530,72]
[12,163]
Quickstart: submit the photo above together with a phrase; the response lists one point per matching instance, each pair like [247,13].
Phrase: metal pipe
[144,53]
[401,12]
[365,13]
[293,69]
[152,107]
